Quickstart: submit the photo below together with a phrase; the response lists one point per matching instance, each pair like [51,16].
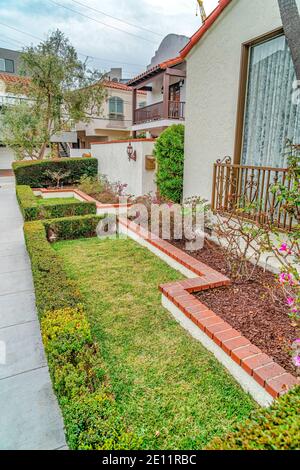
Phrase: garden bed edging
[256,372]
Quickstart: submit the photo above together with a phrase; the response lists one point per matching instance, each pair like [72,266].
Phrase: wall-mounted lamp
[181,83]
[131,153]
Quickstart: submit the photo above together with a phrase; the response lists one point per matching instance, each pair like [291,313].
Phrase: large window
[271,115]
[116,108]
[7,65]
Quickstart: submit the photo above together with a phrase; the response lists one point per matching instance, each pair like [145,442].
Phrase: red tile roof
[119,86]
[205,27]
[11,79]
[156,69]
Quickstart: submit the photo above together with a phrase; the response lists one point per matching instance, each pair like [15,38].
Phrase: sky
[91,28]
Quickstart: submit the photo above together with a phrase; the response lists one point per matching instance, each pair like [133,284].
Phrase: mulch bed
[257,308]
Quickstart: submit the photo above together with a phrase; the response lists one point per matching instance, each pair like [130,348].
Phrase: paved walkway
[29,414]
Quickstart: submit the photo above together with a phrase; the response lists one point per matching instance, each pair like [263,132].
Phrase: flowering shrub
[288,252]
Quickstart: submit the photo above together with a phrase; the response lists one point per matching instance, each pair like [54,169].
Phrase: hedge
[53,289]
[275,428]
[79,379]
[31,210]
[33,173]
[67,228]
[169,152]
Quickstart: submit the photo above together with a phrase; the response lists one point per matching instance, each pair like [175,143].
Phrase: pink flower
[296,360]
[286,277]
[295,310]
[283,247]
[290,301]
[297,341]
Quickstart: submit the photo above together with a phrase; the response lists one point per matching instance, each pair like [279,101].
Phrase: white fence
[114,163]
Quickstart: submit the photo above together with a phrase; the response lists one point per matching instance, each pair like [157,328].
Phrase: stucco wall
[113,129]
[213,69]
[114,163]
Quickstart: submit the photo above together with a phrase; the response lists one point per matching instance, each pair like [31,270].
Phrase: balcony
[157,112]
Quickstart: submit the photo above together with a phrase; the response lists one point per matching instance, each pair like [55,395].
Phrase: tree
[291,24]
[61,91]
[23,130]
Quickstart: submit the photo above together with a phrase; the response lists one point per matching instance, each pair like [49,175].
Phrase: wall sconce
[181,83]
[131,153]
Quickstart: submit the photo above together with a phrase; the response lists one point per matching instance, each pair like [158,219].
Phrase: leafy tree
[61,92]
[23,131]
[291,24]
[169,152]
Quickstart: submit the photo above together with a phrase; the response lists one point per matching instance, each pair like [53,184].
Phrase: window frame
[243,87]
[116,114]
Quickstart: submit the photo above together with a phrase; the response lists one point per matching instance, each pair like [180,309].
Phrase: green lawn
[55,200]
[169,390]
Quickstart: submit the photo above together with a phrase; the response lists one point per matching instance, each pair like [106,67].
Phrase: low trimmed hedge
[32,210]
[79,379]
[275,428]
[33,173]
[68,228]
[53,289]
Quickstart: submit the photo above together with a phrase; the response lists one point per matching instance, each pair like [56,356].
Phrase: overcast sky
[129,43]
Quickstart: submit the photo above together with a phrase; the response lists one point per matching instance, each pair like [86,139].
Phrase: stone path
[29,414]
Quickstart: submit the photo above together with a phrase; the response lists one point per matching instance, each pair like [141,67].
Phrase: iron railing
[155,112]
[247,190]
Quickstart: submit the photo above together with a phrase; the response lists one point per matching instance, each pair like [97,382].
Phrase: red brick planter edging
[267,373]
[83,196]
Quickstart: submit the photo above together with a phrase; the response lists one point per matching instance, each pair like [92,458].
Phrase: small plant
[57,176]
[90,185]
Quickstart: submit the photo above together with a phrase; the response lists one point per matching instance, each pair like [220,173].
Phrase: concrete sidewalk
[29,414]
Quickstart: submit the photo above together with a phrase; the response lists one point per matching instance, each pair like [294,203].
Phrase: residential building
[240,103]
[115,120]
[9,61]
[165,84]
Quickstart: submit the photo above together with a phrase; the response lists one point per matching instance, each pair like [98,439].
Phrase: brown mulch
[257,308]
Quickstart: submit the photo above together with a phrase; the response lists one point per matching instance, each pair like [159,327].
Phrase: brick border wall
[261,367]
[83,196]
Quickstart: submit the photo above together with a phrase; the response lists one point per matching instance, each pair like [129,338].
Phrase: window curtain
[271,117]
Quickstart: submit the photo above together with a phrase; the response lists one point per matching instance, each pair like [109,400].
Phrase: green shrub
[79,379]
[36,173]
[53,290]
[68,228]
[275,428]
[169,152]
[32,210]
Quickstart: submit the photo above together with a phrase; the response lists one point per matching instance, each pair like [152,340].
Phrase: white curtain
[271,117]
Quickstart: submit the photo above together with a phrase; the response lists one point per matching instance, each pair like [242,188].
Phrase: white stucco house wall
[115,164]
[233,105]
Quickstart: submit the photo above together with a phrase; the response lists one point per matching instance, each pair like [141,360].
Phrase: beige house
[115,121]
[240,103]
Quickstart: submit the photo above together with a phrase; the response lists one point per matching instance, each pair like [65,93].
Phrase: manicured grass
[55,200]
[169,390]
